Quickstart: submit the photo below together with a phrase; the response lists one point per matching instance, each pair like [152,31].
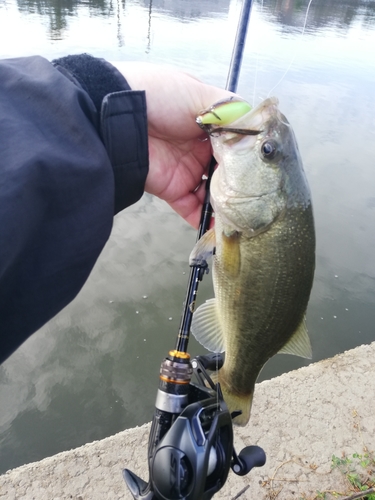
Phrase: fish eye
[269,150]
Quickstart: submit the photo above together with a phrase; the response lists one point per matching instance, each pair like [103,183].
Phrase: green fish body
[264,251]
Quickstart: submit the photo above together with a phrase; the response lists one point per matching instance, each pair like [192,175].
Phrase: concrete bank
[301,419]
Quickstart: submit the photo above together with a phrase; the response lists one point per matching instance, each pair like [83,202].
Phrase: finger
[189,207]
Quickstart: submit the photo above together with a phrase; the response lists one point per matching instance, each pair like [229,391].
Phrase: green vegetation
[359,470]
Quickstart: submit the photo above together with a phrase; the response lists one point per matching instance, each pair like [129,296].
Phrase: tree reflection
[58,12]
[290,14]
[336,13]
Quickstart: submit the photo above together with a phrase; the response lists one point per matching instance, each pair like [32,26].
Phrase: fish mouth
[251,123]
[257,118]
[215,131]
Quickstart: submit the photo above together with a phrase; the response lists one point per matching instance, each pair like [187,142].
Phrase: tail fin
[235,402]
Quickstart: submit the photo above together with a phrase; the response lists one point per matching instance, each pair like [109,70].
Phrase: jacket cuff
[123,121]
[124,132]
[95,75]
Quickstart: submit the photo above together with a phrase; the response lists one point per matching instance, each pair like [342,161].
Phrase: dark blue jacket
[73,152]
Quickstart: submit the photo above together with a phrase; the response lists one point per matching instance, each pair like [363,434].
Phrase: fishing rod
[190,448]
[197,272]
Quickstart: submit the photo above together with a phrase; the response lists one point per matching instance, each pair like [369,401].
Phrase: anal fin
[299,344]
[206,327]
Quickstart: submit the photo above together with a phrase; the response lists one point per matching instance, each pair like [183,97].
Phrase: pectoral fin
[203,249]
[206,327]
[299,344]
[231,254]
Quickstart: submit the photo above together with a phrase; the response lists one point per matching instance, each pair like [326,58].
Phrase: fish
[262,246]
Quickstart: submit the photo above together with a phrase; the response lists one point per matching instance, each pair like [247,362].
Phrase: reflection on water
[92,371]
[58,13]
[337,14]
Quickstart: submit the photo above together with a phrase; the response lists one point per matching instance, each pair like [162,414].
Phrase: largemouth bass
[263,246]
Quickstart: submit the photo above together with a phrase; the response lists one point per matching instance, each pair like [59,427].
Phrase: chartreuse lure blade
[223,112]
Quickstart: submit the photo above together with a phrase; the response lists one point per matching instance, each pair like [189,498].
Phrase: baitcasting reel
[190,447]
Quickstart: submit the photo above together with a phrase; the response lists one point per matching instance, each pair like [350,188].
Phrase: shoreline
[300,419]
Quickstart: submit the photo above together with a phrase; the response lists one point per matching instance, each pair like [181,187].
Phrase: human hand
[179,151]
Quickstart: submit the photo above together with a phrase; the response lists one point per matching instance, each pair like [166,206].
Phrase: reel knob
[249,457]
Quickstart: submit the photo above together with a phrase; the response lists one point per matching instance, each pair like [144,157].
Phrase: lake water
[93,370]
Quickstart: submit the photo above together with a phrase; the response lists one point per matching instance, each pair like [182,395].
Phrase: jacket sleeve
[73,151]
